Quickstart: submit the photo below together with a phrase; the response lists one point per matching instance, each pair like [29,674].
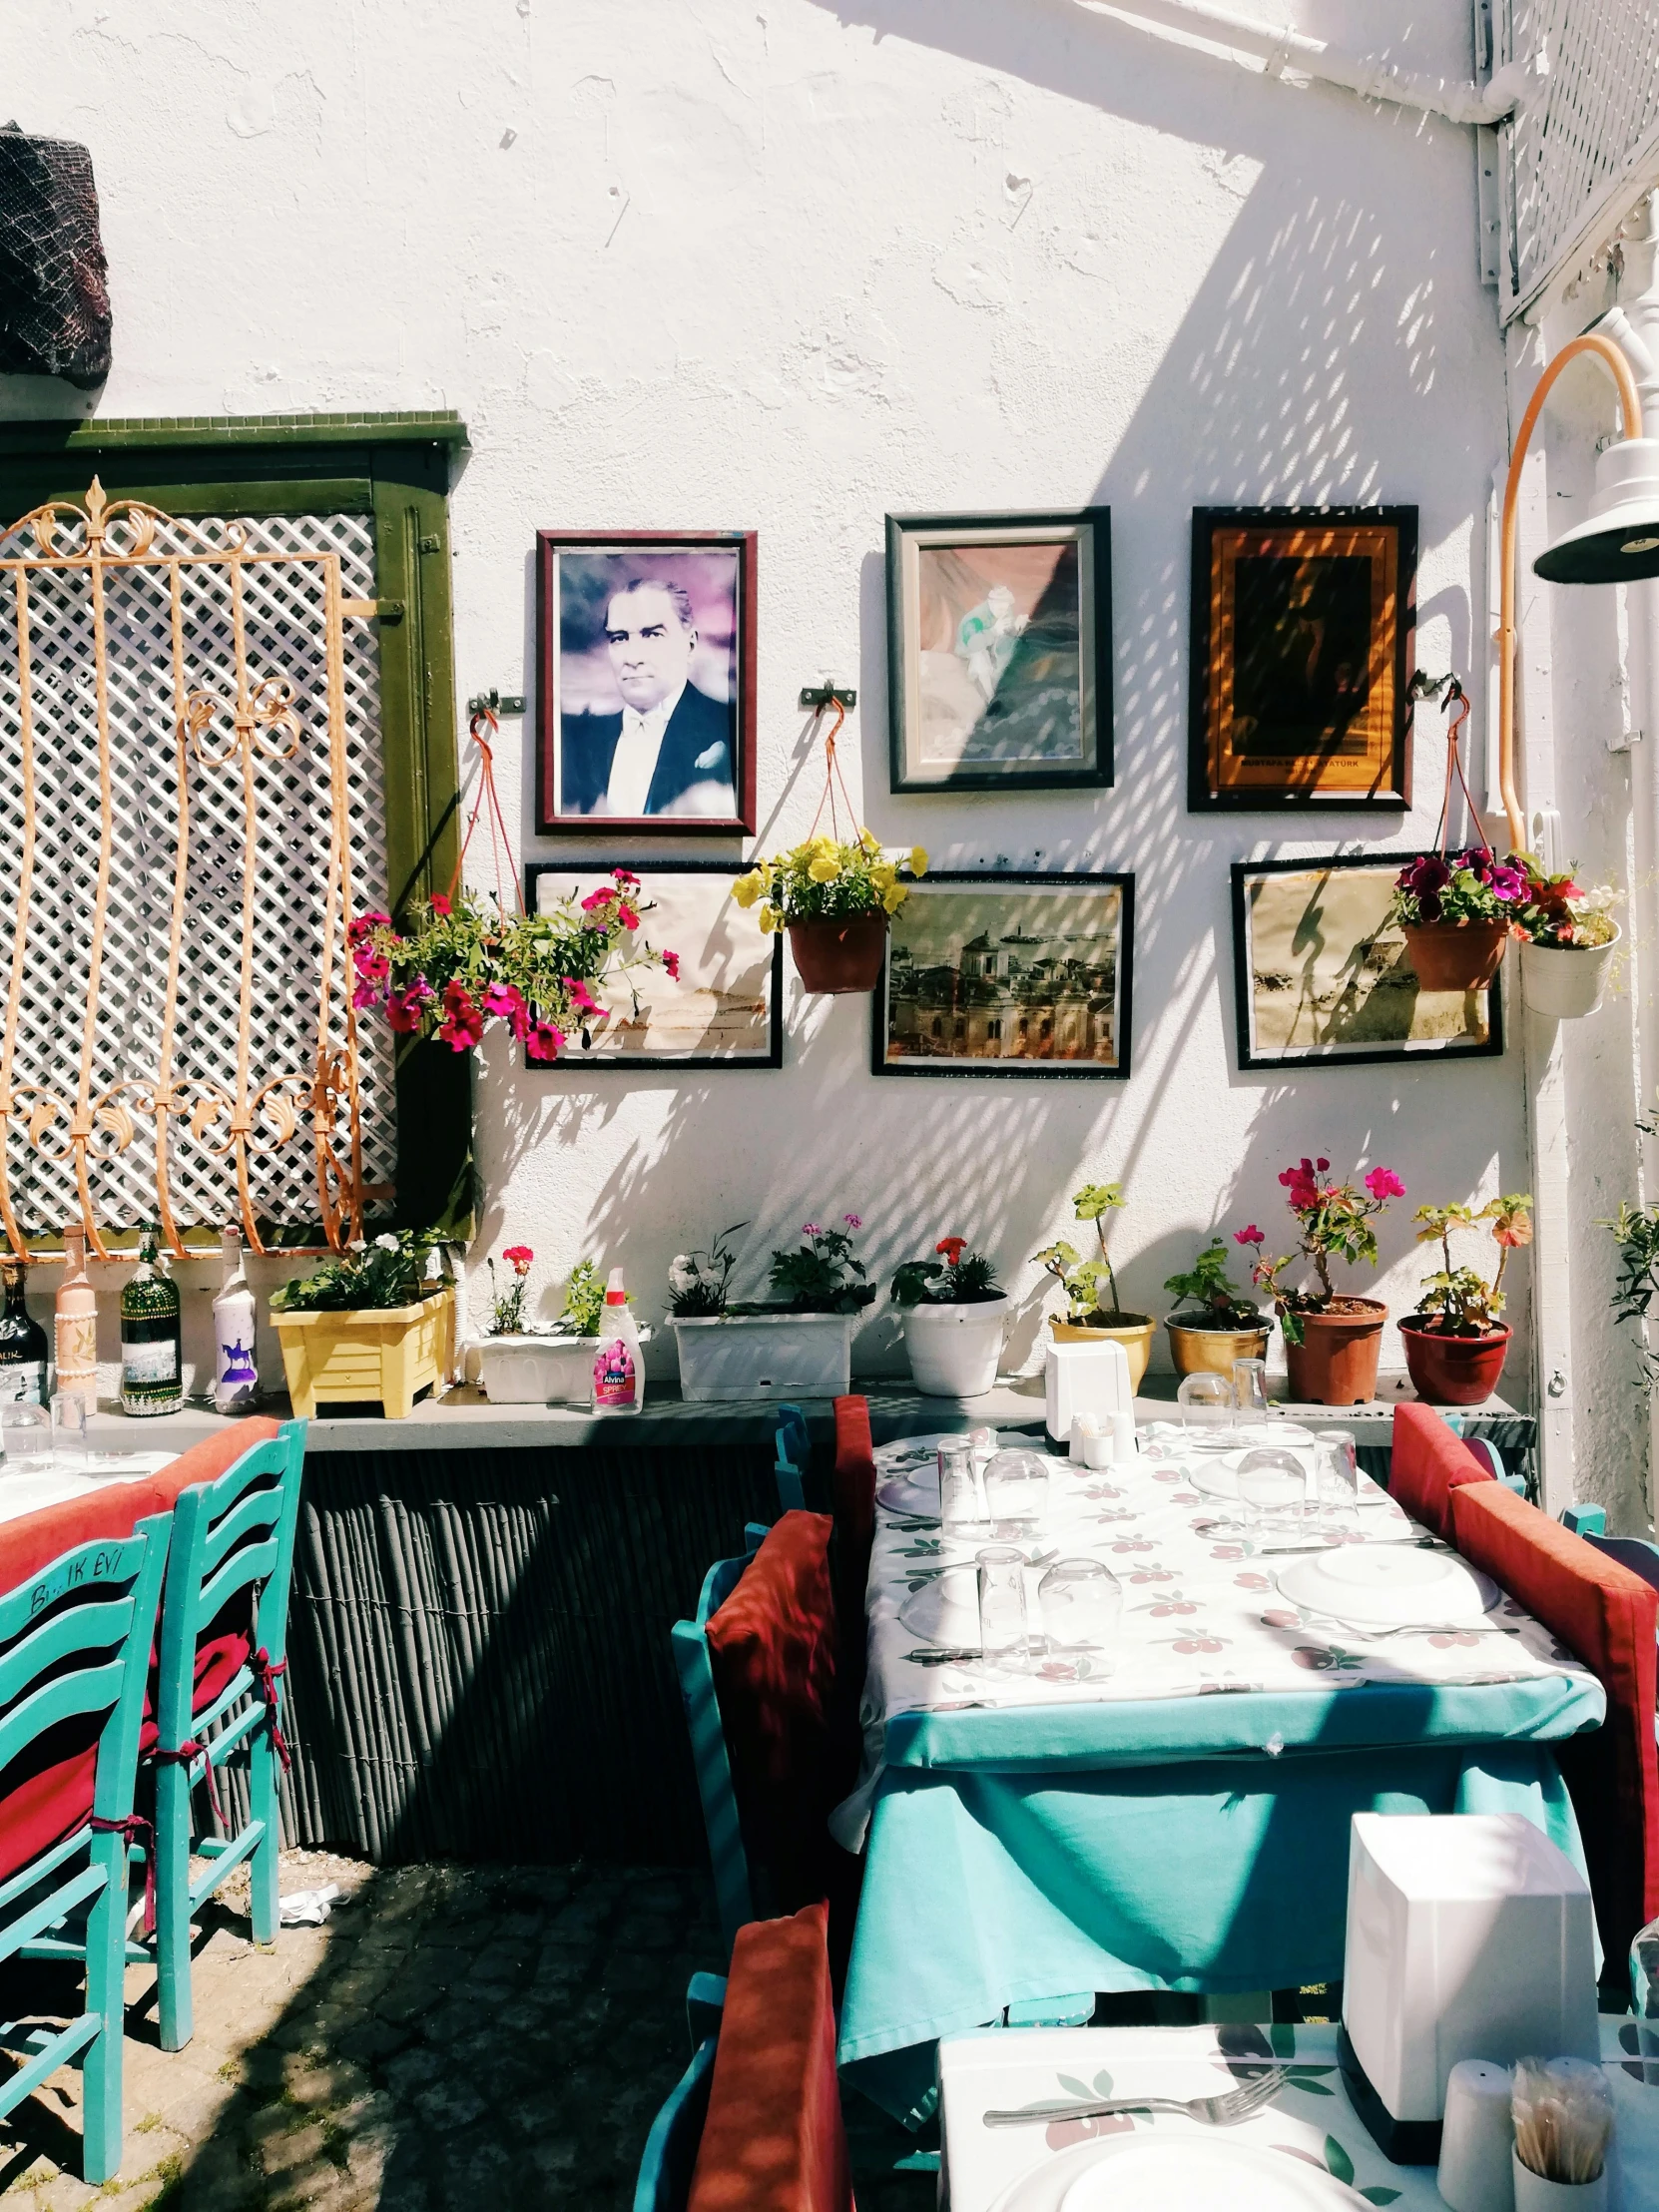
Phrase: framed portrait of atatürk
[1003,974]
[999,651]
[724,1008]
[645,652]
[1302,654]
[1320,974]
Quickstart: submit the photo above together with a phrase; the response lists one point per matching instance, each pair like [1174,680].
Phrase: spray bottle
[618,1371]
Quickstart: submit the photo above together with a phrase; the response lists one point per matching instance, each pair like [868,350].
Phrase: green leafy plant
[1210,1297]
[583,1310]
[1472,885]
[1334,1222]
[392,1271]
[1082,1280]
[821,1275]
[956,1277]
[1461,1302]
[1636,1230]
[697,1281]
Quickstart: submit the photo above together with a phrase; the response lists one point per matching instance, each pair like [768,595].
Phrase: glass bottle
[152,1356]
[23,1347]
[75,1323]
[236,1373]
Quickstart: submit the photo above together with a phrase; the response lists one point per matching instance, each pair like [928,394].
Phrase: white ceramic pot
[537,1370]
[955,1348]
[734,1356]
[1565,980]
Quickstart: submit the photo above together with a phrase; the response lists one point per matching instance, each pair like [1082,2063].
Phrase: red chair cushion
[774,2139]
[1427,1464]
[1607,1616]
[854,1474]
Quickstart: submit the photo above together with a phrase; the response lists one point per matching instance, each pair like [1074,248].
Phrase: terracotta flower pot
[1335,1361]
[1134,1332]
[1455,955]
[1213,1351]
[1453,1370]
[833,956]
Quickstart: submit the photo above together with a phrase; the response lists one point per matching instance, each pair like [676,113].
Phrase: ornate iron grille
[190,802]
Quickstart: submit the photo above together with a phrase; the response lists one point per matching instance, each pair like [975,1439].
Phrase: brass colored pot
[1213,1351]
[1134,1332]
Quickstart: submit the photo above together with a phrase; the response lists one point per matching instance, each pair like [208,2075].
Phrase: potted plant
[954,1315]
[798,1343]
[1456,913]
[1331,1342]
[519,1366]
[1088,1317]
[370,1325]
[1568,943]
[835,901]
[1212,1325]
[1455,1346]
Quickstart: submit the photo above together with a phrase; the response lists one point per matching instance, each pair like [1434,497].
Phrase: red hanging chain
[833,776]
[501,847]
[1456,698]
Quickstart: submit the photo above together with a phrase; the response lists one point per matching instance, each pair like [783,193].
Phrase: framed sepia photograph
[1302,652]
[999,651]
[645,648]
[725,1007]
[1009,975]
[1319,976]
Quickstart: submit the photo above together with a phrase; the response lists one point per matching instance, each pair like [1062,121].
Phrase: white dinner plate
[1389,1586]
[1145,2172]
[945,1610]
[907,1472]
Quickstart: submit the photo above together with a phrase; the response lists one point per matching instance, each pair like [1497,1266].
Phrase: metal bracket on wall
[496,702]
[828,695]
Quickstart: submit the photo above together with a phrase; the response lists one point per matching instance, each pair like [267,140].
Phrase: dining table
[1168,1811]
[58,1478]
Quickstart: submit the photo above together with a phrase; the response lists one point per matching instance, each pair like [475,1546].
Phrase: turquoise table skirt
[1197,1843]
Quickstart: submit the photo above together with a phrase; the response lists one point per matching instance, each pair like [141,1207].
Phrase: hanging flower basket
[1455,955]
[833,956]
[1566,981]
[1455,910]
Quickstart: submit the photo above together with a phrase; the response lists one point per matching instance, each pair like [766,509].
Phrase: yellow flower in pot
[836,900]
[1088,1317]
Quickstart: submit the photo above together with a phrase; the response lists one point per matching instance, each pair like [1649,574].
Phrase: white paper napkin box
[1469,1935]
[1084,1379]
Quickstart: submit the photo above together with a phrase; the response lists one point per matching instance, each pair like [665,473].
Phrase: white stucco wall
[785,266]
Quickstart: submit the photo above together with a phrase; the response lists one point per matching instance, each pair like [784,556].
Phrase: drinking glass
[26,1436]
[1273,1496]
[1337,1481]
[1002,1631]
[1016,1493]
[1207,1408]
[959,1512]
[1249,1392]
[1082,1602]
[69,1428]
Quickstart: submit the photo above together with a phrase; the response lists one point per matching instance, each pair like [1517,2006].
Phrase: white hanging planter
[955,1348]
[1565,980]
[537,1370]
[734,1355]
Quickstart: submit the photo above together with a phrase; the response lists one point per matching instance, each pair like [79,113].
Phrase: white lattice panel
[1587,142]
[285,638]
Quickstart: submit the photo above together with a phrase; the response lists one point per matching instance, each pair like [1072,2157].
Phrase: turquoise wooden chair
[734,1884]
[670,2157]
[795,1452]
[75,1642]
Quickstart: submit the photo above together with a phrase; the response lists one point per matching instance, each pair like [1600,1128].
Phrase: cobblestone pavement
[454,2037]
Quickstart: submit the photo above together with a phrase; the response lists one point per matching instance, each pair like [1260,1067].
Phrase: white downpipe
[1280,47]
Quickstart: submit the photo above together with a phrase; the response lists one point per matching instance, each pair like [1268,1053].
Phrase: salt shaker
[1477,2138]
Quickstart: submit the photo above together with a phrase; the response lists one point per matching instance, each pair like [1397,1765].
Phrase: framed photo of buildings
[1301,652]
[998,975]
[644,651]
[1321,976]
[999,651]
[725,1009]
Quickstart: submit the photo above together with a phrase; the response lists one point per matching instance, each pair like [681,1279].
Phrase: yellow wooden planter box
[378,1352]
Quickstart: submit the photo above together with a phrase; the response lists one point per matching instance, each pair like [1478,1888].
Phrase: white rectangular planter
[766,1354]
[538,1371]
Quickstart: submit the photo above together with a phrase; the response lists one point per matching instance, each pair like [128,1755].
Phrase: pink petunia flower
[623,875]
[441,907]
[462,1026]
[579,995]
[625,914]
[598,898]
[367,993]
[545,1041]
[503,1000]
[671,962]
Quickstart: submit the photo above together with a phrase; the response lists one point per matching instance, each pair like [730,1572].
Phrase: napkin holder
[1084,1379]
[1469,1935]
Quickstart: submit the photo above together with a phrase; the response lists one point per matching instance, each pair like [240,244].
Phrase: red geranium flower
[520,1255]
[1250,1236]
[952,1248]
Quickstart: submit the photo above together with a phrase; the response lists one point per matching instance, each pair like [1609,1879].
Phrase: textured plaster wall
[785,265]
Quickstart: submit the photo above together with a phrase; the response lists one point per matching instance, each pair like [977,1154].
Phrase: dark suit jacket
[698,726]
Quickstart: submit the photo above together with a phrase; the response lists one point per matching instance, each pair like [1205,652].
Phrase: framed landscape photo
[998,975]
[999,651]
[725,1009]
[1320,975]
[1302,652]
[644,651]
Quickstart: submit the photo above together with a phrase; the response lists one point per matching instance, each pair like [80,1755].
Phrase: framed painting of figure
[1322,975]
[1003,975]
[645,648]
[999,651]
[1301,652]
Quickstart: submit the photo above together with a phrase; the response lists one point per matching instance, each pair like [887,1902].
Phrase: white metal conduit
[1282,48]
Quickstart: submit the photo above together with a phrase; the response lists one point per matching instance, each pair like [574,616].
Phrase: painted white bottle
[618,1370]
[235,1371]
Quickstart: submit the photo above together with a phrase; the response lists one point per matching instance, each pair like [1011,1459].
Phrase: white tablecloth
[29,1492]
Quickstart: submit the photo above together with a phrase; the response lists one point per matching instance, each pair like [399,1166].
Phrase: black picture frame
[1332,771]
[652,871]
[1091,528]
[1015,1066]
[1366,1050]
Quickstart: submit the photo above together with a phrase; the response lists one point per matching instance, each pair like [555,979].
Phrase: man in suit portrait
[671,749]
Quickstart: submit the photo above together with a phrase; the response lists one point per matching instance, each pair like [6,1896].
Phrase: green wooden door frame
[396,468]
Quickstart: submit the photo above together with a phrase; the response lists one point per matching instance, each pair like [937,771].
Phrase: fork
[1227,2110]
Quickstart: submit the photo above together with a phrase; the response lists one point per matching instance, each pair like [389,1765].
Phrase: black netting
[54,282]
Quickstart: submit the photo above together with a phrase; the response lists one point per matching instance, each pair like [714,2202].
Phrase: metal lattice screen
[209,977]
[1585,143]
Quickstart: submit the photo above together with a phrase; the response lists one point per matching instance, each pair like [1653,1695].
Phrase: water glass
[1082,1603]
[1016,1493]
[1249,1392]
[69,1428]
[26,1438]
[1338,1480]
[958,1488]
[1273,1496]
[1206,1403]
[1002,1629]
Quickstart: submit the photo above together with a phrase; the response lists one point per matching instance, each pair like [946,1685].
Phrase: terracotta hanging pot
[835,956]
[1335,1361]
[1455,955]
[1453,1370]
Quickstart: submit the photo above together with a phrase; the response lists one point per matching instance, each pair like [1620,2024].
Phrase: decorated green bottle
[23,1350]
[152,1356]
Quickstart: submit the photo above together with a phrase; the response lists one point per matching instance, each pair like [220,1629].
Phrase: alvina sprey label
[615,1375]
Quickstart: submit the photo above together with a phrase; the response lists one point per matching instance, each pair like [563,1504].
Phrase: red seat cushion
[854,1474]
[1607,1617]
[1427,1464]
[774,2139]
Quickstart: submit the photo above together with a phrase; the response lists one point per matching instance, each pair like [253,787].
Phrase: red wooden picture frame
[550,819]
